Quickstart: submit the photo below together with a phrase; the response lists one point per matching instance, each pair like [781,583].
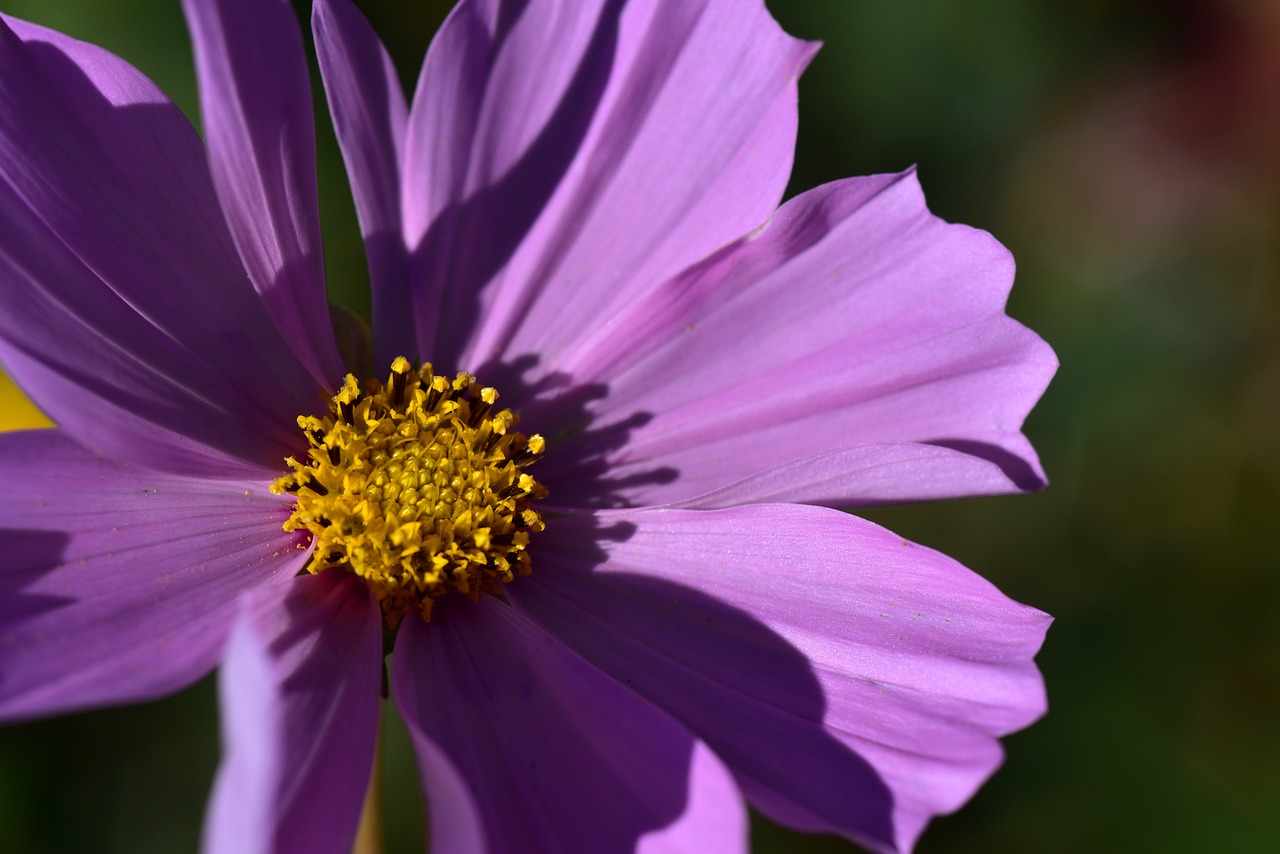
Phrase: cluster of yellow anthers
[418,487]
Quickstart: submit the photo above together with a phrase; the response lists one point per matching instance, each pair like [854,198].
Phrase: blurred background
[1128,153]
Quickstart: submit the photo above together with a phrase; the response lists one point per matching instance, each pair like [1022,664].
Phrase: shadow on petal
[576,466]
[29,557]
[127,314]
[549,751]
[1017,468]
[734,682]
[472,239]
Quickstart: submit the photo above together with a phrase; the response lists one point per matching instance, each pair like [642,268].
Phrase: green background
[1129,154]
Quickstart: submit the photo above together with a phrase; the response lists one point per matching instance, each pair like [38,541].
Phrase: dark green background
[1129,154]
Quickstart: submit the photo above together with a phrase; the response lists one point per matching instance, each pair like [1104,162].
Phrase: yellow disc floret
[417,486]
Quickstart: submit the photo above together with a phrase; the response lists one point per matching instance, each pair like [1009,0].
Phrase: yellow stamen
[418,487]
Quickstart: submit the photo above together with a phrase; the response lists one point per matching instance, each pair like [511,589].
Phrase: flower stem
[369,838]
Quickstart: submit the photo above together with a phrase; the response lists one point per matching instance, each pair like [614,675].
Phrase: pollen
[417,486]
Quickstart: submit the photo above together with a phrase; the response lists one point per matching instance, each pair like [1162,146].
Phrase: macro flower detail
[581,206]
[416,487]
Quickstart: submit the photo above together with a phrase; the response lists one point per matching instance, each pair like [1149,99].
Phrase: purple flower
[578,208]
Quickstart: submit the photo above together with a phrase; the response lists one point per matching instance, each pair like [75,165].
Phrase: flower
[637,616]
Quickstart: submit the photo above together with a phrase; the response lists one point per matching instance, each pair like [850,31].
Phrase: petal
[866,476]
[852,681]
[110,377]
[369,114]
[557,755]
[120,584]
[300,697]
[453,814]
[564,157]
[252,763]
[124,312]
[854,318]
[714,817]
[256,102]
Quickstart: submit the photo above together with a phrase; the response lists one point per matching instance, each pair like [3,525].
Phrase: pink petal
[556,755]
[852,681]
[256,101]
[854,318]
[120,584]
[124,312]
[565,157]
[300,697]
[369,114]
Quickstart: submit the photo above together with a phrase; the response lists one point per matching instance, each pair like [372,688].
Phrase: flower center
[418,487]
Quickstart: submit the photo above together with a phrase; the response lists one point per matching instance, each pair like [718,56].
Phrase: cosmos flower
[619,611]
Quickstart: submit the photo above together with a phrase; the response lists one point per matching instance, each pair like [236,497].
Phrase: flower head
[418,487]
[613,625]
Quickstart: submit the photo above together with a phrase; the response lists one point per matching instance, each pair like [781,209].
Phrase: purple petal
[557,755]
[714,817]
[120,584]
[300,697]
[369,114]
[852,681]
[256,101]
[565,157]
[453,814]
[124,312]
[251,741]
[865,476]
[854,318]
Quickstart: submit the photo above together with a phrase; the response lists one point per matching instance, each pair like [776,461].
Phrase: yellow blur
[16,412]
